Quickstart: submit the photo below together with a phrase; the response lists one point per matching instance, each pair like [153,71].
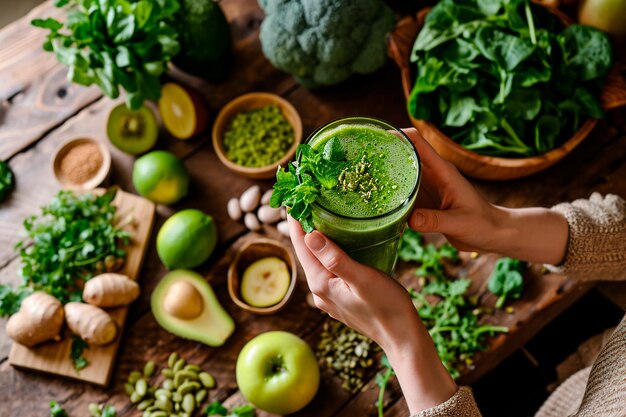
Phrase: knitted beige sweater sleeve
[596,250]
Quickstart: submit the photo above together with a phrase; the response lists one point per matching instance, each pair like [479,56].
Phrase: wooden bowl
[400,44]
[91,183]
[249,102]
[251,252]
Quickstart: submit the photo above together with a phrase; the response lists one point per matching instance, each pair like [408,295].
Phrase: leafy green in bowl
[506,77]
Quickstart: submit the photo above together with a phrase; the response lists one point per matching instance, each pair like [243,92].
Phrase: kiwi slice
[132,131]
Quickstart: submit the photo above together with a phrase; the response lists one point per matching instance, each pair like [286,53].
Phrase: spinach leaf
[586,51]
[497,75]
[506,50]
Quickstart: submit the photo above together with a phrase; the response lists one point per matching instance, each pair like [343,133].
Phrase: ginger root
[110,290]
[91,323]
[40,318]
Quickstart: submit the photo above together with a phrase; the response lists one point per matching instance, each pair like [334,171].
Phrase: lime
[161,177]
[186,239]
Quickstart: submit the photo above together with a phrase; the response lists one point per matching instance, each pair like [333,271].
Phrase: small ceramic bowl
[100,176]
[246,103]
[251,252]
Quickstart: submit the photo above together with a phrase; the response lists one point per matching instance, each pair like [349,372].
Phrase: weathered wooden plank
[35,95]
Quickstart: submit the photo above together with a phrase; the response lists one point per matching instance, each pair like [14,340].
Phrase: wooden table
[39,109]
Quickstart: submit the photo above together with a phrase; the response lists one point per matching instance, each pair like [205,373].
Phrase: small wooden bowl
[91,183]
[251,252]
[400,44]
[249,102]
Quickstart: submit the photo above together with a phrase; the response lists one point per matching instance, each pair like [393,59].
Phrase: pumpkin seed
[141,387]
[134,376]
[206,379]
[159,413]
[164,404]
[135,397]
[192,367]
[144,404]
[177,397]
[189,403]
[168,384]
[146,413]
[200,396]
[183,376]
[148,369]
[172,359]
[178,365]
[167,372]
[187,387]
[129,388]
[163,392]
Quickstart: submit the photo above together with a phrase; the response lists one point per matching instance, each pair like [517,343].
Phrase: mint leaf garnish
[299,185]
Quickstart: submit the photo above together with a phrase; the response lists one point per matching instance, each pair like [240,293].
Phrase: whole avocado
[205,40]
[324,42]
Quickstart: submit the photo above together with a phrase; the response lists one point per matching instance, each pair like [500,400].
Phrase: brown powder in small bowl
[81,163]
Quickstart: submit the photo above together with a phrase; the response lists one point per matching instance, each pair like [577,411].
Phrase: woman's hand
[447,203]
[379,307]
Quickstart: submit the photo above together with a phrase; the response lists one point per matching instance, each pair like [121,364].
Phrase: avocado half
[212,326]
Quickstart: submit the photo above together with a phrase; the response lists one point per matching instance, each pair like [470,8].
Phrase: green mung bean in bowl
[255,133]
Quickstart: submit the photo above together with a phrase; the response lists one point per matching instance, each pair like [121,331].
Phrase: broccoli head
[323,42]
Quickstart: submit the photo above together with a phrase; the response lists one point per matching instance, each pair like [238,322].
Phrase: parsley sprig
[73,239]
[299,185]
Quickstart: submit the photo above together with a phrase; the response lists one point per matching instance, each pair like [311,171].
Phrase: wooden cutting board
[54,357]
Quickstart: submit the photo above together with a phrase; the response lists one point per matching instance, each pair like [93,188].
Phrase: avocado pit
[183,300]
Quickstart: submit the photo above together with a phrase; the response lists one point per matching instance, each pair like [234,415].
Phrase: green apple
[277,372]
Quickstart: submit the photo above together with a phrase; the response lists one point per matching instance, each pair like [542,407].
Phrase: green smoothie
[366,212]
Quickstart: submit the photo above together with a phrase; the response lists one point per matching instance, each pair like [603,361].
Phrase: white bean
[234,211]
[265,199]
[249,200]
[251,222]
[283,228]
[268,215]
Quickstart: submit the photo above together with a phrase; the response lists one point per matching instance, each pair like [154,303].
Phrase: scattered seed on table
[206,379]
[251,222]
[249,199]
[148,369]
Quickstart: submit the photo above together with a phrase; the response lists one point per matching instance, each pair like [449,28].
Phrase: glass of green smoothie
[367,212]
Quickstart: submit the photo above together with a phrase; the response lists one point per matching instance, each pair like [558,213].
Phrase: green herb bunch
[453,323]
[451,319]
[507,280]
[298,186]
[502,77]
[115,44]
[429,257]
[74,238]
